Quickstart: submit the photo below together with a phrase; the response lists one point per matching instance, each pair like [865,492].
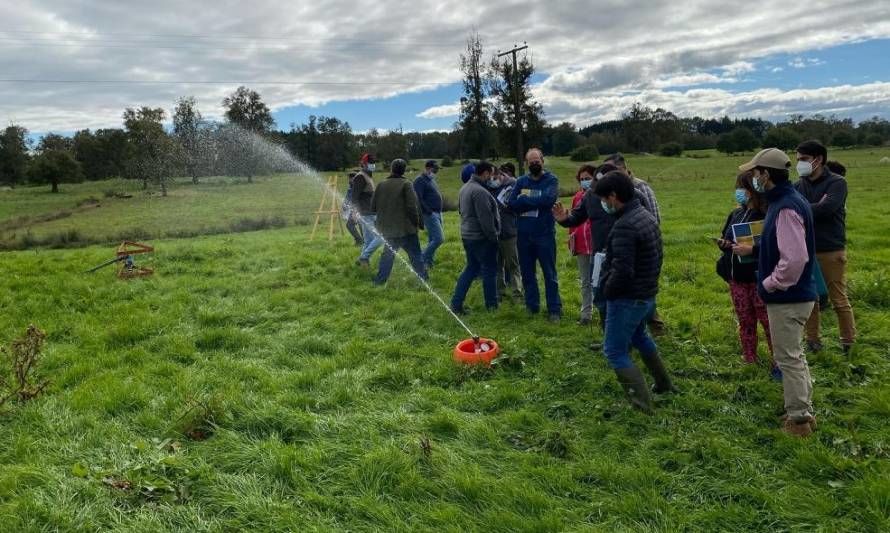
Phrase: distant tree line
[497,97]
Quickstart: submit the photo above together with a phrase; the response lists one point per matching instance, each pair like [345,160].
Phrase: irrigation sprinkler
[124,254]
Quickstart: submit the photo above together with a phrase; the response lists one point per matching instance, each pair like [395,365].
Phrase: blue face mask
[608,208]
[741,196]
[585,184]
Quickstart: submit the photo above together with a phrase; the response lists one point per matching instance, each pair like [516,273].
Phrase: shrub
[447,161]
[671,149]
[584,153]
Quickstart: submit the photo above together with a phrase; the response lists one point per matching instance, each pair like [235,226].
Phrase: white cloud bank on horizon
[598,55]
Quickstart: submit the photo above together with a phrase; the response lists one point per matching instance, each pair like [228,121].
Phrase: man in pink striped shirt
[785,258]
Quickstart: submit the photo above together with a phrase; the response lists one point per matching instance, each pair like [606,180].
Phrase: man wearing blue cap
[430,200]
[466,173]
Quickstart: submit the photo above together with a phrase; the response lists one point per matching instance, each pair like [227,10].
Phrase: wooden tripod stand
[329,207]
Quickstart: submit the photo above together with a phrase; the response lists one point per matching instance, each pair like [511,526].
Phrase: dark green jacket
[396,206]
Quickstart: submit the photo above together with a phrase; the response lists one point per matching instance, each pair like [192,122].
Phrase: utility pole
[520,157]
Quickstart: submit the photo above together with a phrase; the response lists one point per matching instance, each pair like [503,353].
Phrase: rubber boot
[634,385]
[663,383]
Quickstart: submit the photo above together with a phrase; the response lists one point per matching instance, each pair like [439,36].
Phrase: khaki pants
[834,266]
[786,322]
[508,259]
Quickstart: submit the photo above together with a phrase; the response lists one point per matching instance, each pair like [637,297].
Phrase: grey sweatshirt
[479,218]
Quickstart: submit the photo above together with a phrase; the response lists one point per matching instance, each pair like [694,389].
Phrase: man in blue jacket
[430,200]
[532,198]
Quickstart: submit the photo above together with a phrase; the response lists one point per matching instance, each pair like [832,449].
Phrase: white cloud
[372,49]
[800,62]
[441,111]
[776,69]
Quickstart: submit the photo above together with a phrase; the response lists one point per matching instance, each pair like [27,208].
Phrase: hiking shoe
[814,346]
[584,321]
[363,263]
[799,428]
[775,373]
[635,390]
[596,346]
[749,359]
[555,318]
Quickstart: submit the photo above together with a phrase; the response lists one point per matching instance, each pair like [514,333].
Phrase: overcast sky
[67,64]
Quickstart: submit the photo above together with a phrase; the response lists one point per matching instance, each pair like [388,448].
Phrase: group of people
[507,228]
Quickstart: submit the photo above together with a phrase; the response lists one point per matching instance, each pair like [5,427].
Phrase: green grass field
[260,382]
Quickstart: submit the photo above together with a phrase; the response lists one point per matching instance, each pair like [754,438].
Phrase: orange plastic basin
[465,352]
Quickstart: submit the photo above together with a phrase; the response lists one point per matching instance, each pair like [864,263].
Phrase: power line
[225,82]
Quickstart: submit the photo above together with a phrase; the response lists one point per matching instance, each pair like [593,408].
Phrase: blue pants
[435,237]
[539,250]
[372,238]
[411,244]
[482,259]
[626,327]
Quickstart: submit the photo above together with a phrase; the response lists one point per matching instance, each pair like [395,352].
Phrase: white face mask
[804,168]
[372,167]
[758,184]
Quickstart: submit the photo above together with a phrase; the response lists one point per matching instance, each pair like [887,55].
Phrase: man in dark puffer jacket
[629,284]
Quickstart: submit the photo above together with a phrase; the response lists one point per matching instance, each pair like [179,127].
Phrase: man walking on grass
[398,219]
[786,254]
[629,284]
[362,193]
[430,200]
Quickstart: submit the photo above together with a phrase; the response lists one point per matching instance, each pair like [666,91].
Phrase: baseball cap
[769,158]
[431,163]
[367,158]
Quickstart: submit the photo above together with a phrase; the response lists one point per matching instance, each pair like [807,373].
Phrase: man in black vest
[786,254]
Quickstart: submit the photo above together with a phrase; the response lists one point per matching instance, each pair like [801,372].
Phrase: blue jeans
[411,244]
[482,259]
[372,238]
[435,237]
[539,250]
[626,327]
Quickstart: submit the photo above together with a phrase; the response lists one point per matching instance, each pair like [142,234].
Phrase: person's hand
[559,212]
[724,244]
[742,249]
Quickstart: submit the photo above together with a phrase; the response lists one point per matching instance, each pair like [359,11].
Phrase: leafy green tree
[13,155]
[740,139]
[783,138]
[564,138]
[55,165]
[671,149]
[151,151]
[584,153]
[246,109]
[187,126]
[844,139]
[102,154]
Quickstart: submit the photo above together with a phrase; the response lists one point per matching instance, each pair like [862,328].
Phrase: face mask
[585,184]
[433,175]
[758,185]
[599,176]
[804,168]
[493,183]
[608,208]
[535,168]
[372,167]
[741,196]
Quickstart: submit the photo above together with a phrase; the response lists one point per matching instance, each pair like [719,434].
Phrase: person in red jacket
[581,244]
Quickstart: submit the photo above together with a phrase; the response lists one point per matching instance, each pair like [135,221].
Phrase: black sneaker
[596,346]
[555,318]
[584,321]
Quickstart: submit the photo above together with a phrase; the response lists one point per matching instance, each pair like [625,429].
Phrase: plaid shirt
[647,198]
